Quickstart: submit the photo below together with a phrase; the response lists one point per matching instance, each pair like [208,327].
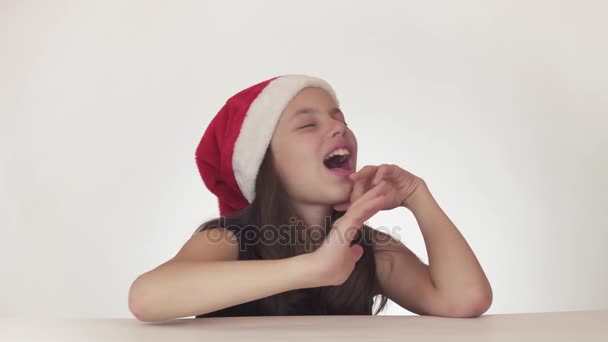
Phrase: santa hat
[233,146]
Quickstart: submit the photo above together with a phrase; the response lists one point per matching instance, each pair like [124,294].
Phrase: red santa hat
[232,148]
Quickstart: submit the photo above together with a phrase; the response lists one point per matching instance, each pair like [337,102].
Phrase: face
[310,129]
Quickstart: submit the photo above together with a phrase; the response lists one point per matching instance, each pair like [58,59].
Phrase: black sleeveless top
[308,304]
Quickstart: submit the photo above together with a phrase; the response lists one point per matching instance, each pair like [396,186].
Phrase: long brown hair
[270,210]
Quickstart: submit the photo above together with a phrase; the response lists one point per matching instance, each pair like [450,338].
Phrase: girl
[290,238]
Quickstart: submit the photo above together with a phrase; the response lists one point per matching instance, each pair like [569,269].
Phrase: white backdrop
[500,106]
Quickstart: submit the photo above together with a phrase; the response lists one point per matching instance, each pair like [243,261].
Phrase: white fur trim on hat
[259,124]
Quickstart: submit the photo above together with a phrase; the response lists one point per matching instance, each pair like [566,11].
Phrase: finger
[342,206]
[365,172]
[361,181]
[357,252]
[360,211]
[365,201]
[353,220]
[383,172]
[375,191]
[360,187]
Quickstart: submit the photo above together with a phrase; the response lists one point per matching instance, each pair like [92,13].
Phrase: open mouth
[338,160]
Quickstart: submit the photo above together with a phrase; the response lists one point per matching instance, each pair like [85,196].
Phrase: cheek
[302,157]
[306,152]
[297,160]
[353,141]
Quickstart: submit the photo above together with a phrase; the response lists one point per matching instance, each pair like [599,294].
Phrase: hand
[402,185]
[335,259]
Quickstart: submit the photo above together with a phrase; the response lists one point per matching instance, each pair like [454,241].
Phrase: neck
[313,214]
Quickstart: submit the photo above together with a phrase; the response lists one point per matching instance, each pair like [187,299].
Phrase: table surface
[553,326]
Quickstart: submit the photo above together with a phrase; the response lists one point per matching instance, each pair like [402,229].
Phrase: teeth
[340,152]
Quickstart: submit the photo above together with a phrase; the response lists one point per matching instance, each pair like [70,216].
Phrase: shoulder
[229,230]
[210,244]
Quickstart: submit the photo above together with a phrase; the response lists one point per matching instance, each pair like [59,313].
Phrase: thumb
[357,252]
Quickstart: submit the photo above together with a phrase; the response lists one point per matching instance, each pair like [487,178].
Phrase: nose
[337,128]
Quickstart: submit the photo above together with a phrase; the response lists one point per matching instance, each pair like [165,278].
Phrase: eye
[344,122]
[309,125]
[342,119]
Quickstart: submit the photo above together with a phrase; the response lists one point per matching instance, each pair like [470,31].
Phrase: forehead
[309,97]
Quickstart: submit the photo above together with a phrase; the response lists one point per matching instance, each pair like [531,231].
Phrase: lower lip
[340,172]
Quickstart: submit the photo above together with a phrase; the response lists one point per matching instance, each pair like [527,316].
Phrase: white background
[500,106]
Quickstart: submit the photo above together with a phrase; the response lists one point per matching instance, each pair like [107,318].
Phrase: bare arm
[453,267]
[205,276]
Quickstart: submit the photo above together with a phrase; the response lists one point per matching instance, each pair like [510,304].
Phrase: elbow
[472,305]
[144,303]
[139,302]
[480,303]
[484,301]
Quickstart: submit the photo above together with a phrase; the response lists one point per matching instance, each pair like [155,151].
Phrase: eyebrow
[308,110]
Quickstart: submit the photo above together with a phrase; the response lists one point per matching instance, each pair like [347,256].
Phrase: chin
[339,194]
[335,189]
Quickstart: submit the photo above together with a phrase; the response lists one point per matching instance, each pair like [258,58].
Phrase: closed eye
[307,126]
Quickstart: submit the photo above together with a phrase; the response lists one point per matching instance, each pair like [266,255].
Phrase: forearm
[454,269]
[183,289]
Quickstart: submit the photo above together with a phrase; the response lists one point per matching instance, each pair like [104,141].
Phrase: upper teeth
[339,152]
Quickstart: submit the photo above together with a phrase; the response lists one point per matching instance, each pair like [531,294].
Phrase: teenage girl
[290,238]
